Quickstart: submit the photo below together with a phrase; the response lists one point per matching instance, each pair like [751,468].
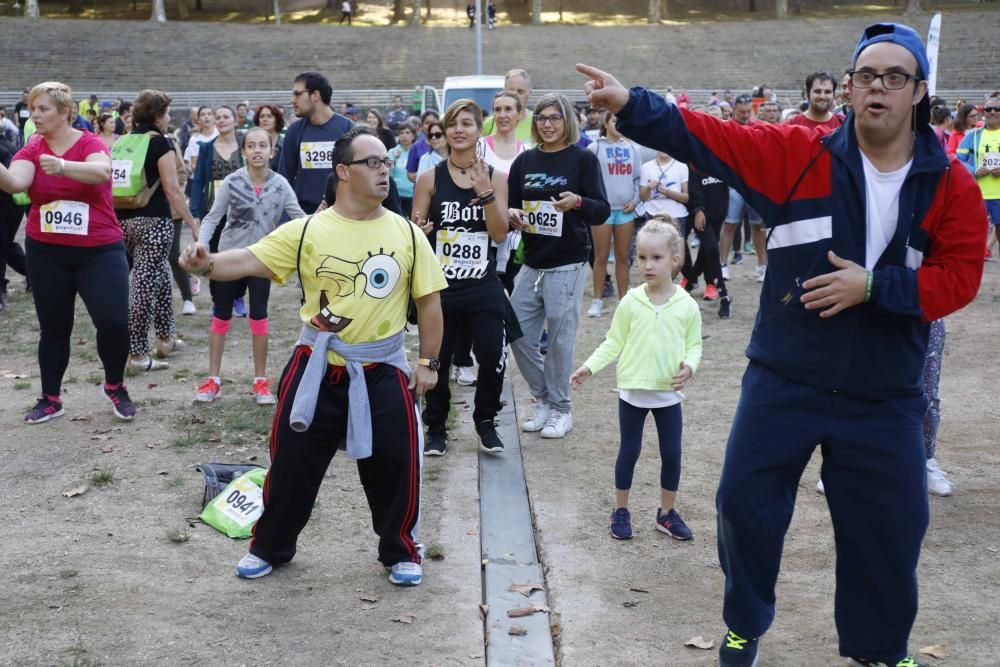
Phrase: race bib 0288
[542,218]
[462,254]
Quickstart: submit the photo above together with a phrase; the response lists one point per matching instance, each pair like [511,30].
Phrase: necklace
[460,168]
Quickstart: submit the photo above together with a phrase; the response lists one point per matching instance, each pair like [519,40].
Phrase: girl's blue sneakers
[621,524]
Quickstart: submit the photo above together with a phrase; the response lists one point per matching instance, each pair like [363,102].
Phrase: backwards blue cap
[896,33]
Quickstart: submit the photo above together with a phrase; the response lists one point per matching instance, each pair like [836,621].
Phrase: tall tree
[159,12]
[536,12]
[781,8]
[31,9]
[653,15]
[415,18]
[913,7]
[277,12]
[398,11]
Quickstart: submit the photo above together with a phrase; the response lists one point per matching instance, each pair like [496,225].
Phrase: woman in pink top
[965,120]
[74,245]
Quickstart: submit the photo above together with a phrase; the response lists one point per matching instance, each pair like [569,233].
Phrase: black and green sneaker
[905,662]
[738,651]
[436,443]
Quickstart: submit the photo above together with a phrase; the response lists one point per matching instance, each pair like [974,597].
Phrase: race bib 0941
[64,217]
[542,218]
[243,504]
[316,154]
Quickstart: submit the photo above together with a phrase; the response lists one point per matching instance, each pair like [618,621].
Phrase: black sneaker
[122,405]
[44,410]
[905,662]
[737,651]
[489,440]
[436,443]
[726,307]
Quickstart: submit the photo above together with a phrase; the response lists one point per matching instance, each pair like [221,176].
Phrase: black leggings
[708,256]
[225,291]
[668,430]
[100,276]
[10,252]
[181,276]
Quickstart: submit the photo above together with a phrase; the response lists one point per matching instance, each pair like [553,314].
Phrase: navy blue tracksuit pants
[874,471]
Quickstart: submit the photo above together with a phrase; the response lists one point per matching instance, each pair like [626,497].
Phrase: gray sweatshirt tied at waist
[359,416]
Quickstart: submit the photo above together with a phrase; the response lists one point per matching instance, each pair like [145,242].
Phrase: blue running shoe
[240,307]
[737,651]
[406,574]
[251,567]
[673,525]
[621,524]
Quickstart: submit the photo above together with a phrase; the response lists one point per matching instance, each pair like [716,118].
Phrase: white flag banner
[933,43]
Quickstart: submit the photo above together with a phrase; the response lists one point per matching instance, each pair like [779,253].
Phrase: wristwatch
[431,363]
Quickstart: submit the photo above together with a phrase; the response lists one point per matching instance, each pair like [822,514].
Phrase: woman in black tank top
[462,206]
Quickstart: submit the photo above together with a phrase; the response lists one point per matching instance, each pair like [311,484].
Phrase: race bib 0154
[64,217]
[542,218]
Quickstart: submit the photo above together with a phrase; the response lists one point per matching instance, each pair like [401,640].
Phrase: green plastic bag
[236,510]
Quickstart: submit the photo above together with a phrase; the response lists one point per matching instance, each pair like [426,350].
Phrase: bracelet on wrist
[207,270]
[484,194]
[62,167]
[488,200]
[868,287]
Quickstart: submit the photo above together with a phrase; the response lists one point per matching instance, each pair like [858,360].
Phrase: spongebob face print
[375,276]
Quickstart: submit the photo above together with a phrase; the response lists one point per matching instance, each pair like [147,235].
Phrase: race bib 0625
[542,218]
[64,217]
[316,154]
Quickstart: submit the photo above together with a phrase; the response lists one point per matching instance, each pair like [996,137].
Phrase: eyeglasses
[891,80]
[435,135]
[991,109]
[550,119]
[375,162]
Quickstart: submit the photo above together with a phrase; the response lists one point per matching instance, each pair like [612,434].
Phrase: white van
[478,88]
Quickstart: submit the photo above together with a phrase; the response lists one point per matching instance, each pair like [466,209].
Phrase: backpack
[128,172]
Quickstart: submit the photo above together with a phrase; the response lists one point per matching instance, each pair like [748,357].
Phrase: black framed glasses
[435,135]
[375,162]
[547,119]
[891,80]
[991,109]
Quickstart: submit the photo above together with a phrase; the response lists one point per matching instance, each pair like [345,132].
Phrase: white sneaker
[558,425]
[761,271]
[937,483]
[596,308]
[188,308]
[819,487]
[465,375]
[725,272]
[539,417]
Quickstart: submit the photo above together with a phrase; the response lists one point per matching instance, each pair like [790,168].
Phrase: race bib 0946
[316,154]
[542,218]
[64,217]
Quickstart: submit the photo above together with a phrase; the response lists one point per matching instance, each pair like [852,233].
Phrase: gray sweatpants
[548,298]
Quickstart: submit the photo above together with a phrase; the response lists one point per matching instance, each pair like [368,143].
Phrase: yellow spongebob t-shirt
[355,273]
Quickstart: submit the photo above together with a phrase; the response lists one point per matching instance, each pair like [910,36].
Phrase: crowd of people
[480,226]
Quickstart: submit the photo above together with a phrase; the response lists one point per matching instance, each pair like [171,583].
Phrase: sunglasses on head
[991,109]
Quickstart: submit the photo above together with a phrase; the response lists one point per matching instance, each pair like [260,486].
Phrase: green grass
[178,535]
[102,476]
[22,385]
[231,420]
[95,378]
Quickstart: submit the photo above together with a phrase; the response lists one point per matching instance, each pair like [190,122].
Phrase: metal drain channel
[507,539]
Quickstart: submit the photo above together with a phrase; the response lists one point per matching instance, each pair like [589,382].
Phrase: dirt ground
[120,575]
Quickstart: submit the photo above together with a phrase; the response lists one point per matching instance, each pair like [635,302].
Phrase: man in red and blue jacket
[872,234]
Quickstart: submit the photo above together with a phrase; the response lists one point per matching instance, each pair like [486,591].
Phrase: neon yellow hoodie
[650,342]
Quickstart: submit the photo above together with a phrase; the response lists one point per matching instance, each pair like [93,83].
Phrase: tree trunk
[427,14]
[75,6]
[654,12]
[329,4]
[536,12]
[31,9]
[277,12]
[398,11]
[159,12]
[183,10]
[197,5]
[415,18]
[781,9]
[913,7]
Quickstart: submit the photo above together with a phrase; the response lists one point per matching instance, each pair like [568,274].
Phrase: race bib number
[991,161]
[543,218]
[243,504]
[121,173]
[65,217]
[462,254]
[316,154]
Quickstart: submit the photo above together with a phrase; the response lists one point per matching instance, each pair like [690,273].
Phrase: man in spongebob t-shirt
[348,379]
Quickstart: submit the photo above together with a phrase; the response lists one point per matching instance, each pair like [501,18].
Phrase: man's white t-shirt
[345,7]
[195,142]
[672,176]
[882,213]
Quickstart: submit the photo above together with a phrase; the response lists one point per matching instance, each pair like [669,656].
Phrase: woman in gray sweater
[252,199]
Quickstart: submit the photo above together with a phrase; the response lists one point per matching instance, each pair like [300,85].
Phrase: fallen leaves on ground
[76,491]
[935,651]
[100,436]
[526,611]
[86,419]
[107,449]
[517,631]
[370,597]
[15,376]
[700,642]
[163,472]
[472,531]
[404,618]
[525,589]
[484,609]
